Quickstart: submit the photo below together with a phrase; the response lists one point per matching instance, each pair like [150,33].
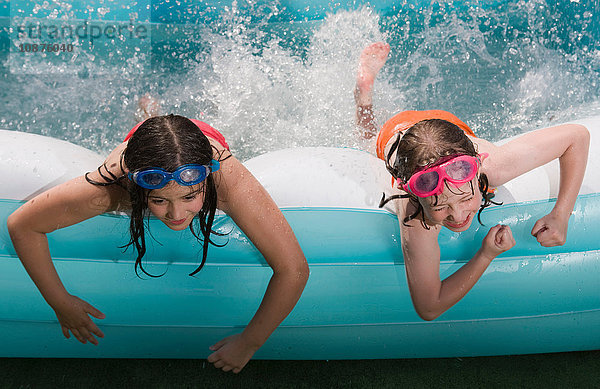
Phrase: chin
[178,227]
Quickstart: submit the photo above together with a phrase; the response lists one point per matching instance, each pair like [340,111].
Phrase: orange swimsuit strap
[407,119]
[205,128]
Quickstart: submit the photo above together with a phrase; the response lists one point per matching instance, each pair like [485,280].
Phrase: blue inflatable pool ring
[356,304]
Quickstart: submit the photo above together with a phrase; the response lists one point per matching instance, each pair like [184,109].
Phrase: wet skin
[176,205]
[455,208]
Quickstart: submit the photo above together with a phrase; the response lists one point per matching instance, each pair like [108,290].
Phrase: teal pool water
[276,74]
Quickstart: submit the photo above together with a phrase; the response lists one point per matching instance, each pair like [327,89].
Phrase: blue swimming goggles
[186,175]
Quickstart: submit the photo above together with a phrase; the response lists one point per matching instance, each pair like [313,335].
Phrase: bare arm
[430,295]
[570,144]
[59,207]
[62,206]
[253,210]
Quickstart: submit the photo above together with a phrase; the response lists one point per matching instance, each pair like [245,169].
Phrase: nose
[175,212]
[458,214]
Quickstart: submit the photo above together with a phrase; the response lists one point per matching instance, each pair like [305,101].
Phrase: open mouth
[459,225]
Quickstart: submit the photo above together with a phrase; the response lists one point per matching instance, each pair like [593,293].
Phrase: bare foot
[371,61]
[148,107]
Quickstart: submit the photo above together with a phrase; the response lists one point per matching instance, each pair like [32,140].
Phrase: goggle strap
[214,165]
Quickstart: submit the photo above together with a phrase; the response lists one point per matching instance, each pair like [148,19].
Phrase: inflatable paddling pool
[356,304]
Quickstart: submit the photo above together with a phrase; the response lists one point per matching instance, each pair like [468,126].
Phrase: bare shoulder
[112,168]
[482,145]
[231,170]
[67,204]
[416,232]
[532,149]
[219,151]
[489,153]
[413,232]
[235,184]
[113,171]
[239,193]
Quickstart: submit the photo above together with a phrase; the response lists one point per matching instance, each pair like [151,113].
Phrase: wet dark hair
[422,146]
[165,142]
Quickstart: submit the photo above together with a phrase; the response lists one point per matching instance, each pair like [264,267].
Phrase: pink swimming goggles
[458,169]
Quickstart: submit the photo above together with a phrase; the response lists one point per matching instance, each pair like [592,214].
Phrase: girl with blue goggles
[157,142]
[186,175]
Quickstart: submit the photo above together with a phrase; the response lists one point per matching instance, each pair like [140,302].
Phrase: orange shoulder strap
[407,119]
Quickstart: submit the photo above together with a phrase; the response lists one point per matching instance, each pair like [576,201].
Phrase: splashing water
[268,82]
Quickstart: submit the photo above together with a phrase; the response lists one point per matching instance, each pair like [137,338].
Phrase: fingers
[227,368]
[221,364]
[78,335]
[550,237]
[91,326]
[96,331]
[95,312]
[503,235]
[65,331]
[217,345]
[74,316]
[506,239]
[540,233]
[494,230]
[500,236]
[82,327]
[83,335]
[230,354]
[498,240]
[212,358]
[88,337]
[549,232]
[495,233]
[215,359]
[538,228]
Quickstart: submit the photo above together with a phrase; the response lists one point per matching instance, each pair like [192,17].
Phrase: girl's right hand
[498,240]
[73,313]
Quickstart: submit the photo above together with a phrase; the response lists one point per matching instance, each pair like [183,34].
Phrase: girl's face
[456,206]
[176,205]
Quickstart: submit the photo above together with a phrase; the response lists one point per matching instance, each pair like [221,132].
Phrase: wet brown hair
[422,146]
[165,142]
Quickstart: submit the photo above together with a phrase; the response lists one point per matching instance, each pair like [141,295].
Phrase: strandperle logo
[87,30]
[55,37]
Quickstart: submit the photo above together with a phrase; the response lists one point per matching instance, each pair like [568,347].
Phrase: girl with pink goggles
[457,169]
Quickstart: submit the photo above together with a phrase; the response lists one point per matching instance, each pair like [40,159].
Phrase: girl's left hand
[231,353]
[498,240]
[550,231]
